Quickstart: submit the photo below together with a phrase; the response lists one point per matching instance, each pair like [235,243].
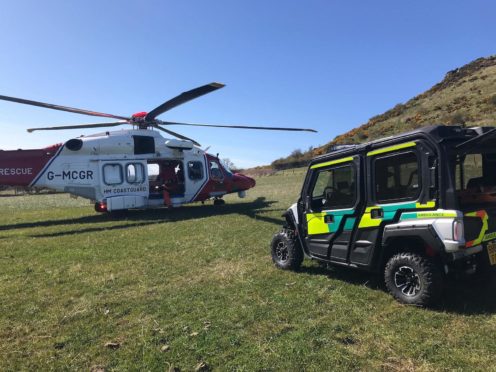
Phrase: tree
[296,154]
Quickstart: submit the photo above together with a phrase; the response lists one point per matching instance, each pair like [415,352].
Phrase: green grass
[200,280]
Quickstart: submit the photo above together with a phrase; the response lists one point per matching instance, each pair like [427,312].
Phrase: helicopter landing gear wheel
[219,202]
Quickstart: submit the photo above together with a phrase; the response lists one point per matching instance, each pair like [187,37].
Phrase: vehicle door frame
[367,248]
[347,216]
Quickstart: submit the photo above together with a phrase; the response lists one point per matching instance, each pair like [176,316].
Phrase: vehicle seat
[475,183]
[343,195]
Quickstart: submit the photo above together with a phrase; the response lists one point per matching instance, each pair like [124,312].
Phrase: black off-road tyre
[286,251]
[413,279]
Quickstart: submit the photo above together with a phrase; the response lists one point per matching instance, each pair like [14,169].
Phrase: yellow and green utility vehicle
[415,207]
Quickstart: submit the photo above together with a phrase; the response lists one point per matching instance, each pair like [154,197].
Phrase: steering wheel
[328,190]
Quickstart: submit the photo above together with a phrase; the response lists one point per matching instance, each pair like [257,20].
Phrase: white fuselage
[113,166]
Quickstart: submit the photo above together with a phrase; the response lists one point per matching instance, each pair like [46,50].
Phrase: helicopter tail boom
[21,167]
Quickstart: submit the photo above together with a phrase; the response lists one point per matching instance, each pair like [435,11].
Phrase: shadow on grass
[468,297]
[349,275]
[253,210]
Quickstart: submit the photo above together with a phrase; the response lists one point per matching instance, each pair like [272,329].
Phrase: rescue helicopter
[132,168]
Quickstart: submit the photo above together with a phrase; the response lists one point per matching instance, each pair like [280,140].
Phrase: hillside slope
[466,96]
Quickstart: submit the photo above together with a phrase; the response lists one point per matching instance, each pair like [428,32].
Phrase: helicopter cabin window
[334,188]
[144,145]
[397,177]
[195,170]
[215,171]
[112,174]
[135,173]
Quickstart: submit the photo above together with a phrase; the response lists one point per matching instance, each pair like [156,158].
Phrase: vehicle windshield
[226,167]
[475,176]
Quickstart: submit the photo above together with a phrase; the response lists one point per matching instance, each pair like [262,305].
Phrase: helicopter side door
[196,177]
[124,183]
[333,203]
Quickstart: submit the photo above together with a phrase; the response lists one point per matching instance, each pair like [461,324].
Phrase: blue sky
[327,65]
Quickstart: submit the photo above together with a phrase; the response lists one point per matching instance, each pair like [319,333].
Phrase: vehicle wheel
[286,251]
[219,202]
[413,279]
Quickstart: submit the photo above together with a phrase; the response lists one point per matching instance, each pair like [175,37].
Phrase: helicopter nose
[243,182]
[251,181]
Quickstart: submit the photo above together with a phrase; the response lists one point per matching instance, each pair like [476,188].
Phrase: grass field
[164,289]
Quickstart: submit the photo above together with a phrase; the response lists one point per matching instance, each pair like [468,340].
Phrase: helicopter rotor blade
[238,126]
[182,98]
[96,125]
[176,134]
[61,108]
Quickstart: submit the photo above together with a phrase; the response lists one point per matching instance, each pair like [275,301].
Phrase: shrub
[458,118]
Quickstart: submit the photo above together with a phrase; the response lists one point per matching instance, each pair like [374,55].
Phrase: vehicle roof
[452,134]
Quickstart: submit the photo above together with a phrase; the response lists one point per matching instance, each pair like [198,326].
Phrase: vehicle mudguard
[291,217]
[424,232]
[292,222]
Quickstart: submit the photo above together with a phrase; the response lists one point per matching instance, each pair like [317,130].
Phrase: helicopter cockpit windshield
[226,167]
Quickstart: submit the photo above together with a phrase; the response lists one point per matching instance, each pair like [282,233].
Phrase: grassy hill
[170,290]
[466,96]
